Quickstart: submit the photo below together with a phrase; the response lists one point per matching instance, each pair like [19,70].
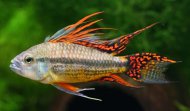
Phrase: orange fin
[75,31]
[73,90]
[119,44]
[79,34]
[67,86]
[114,46]
[118,79]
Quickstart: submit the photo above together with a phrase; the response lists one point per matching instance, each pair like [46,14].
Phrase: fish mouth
[15,66]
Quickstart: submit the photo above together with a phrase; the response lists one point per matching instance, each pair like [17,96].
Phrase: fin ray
[118,79]
[74,90]
[68,33]
[79,34]
[114,46]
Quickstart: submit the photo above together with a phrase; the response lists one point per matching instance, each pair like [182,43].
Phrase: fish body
[72,63]
[76,54]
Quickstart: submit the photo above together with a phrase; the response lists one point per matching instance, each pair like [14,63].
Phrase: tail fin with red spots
[147,67]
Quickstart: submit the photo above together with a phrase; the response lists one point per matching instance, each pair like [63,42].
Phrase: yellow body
[74,63]
[82,76]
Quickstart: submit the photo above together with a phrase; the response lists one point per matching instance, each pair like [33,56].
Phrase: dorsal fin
[58,34]
[75,31]
[114,46]
[79,34]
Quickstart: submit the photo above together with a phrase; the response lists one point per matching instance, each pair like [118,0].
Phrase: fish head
[27,64]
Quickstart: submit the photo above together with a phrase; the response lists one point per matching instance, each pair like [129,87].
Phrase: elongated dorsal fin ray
[119,44]
[70,33]
[84,19]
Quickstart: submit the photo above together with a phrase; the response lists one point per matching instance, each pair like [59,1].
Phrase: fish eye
[28,59]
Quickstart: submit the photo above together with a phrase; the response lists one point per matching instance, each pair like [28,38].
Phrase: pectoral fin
[73,90]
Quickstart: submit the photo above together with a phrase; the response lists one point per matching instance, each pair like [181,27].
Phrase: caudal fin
[147,67]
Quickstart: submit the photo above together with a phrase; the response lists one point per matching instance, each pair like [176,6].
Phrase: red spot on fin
[147,67]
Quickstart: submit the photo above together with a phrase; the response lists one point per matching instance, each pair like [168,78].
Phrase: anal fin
[118,79]
[74,90]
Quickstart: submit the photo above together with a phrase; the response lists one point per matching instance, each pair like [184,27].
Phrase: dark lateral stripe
[88,62]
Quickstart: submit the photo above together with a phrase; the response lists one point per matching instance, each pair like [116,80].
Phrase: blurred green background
[24,23]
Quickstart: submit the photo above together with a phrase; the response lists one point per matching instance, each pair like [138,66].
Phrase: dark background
[26,23]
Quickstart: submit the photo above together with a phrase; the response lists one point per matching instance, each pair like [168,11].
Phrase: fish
[78,54]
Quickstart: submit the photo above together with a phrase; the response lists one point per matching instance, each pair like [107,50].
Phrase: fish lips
[16,67]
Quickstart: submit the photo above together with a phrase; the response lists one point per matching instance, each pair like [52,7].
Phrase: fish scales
[76,63]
